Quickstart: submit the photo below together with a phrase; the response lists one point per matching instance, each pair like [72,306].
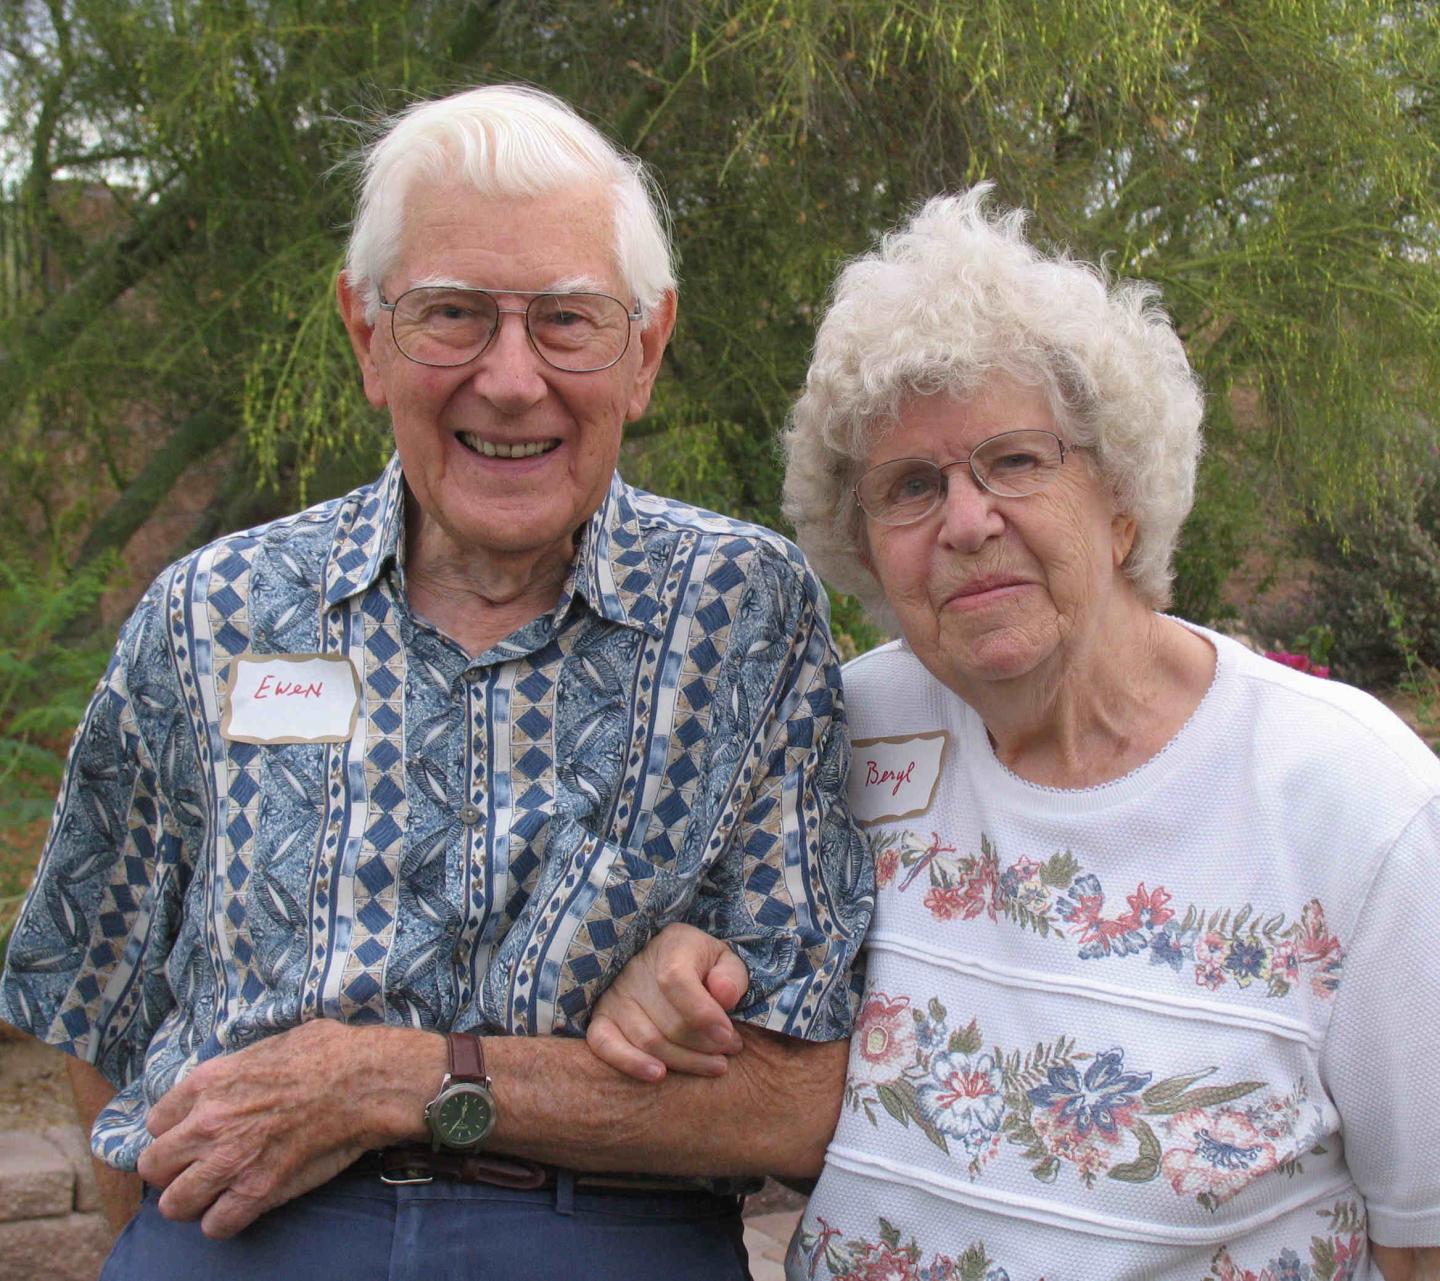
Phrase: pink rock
[71,1141]
[68,1247]
[36,1178]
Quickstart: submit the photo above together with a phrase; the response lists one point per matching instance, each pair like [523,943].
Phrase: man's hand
[1398,1263]
[246,1132]
[669,1008]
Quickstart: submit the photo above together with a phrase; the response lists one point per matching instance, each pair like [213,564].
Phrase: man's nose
[510,373]
[969,514]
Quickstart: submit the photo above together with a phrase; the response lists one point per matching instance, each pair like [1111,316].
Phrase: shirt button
[469,815]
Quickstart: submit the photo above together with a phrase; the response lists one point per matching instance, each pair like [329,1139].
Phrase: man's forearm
[1419,1263]
[119,1192]
[771,1113]
[244,1132]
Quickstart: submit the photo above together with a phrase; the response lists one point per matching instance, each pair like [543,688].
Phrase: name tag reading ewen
[892,778]
[290,698]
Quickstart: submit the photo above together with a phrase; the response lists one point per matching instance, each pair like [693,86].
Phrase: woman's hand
[669,1009]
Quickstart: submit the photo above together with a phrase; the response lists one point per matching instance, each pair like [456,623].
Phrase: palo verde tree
[1271,163]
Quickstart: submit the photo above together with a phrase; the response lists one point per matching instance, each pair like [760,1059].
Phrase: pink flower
[1321,948]
[1212,946]
[1218,1153]
[886,866]
[1146,908]
[1210,975]
[1299,662]
[1348,1253]
[945,902]
[1089,1153]
[881,1263]
[979,896]
[1226,1269]
[1283,965]
[1093,927]
[884,1037]
[1316,942]
[1278,1117]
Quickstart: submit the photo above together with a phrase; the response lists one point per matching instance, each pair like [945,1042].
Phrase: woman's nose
[969,512]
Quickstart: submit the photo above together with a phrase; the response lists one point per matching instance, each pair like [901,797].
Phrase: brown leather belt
[414,1164]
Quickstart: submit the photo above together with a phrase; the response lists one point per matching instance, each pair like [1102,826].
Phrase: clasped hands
[669,1008]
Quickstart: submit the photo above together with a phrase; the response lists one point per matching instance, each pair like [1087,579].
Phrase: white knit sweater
[1184,1025]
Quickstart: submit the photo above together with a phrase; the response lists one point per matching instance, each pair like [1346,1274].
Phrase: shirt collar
[611,570]
[367,540]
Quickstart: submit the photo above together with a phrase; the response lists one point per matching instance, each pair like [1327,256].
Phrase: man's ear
[362,334]
[654,338]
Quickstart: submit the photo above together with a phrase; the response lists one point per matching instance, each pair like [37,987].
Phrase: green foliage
[1377,585]
[44,688]
[168,249]
[1224,523]
[853,631]
[177,157]
[1317,643]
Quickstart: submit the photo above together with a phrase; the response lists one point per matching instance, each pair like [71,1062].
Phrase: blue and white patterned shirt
[495,837]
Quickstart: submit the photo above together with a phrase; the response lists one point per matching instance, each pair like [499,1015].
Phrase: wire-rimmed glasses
[444,326]
[1014,464]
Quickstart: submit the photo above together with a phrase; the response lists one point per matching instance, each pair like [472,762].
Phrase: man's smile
[505,449]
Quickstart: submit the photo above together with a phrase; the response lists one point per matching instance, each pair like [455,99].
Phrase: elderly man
[436,759]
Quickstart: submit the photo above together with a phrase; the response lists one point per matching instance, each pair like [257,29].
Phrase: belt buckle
[410,1176]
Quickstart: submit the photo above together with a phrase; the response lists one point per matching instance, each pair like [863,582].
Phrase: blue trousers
[356,1228]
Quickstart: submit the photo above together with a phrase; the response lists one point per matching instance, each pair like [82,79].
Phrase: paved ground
[766,1237]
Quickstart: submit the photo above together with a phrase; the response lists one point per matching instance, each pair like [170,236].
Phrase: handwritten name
[269,687]
[875,776]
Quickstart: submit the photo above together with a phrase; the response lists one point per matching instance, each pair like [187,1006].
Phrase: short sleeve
[84,966]
[1381,1058]
[794,889]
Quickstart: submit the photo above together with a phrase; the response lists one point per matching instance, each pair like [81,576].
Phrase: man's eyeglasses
[1014,464]
[580,333]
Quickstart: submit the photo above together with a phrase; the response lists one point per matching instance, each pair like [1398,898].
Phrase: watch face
[464,1116]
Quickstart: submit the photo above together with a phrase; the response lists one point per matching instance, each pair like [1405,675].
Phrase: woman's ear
[1122,537]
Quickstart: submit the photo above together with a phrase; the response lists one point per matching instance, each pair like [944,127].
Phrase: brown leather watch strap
[467,1058]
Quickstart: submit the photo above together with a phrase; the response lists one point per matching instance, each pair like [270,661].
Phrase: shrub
[44,687]
[1223,525]
[1378,585]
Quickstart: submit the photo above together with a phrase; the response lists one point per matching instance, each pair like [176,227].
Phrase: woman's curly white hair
[952,297]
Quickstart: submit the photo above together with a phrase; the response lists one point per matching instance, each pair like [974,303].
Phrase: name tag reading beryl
[892,778]
[290,698]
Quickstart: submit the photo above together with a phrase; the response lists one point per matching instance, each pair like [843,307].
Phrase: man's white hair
[504,140]
[952,297]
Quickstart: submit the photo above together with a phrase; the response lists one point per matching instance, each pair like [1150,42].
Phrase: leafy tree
[1272,163]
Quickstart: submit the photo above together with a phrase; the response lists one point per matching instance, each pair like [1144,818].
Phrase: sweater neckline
[995,777]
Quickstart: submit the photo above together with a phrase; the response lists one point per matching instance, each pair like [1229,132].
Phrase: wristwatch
[462,1113]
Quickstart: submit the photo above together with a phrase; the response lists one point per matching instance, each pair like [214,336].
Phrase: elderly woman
[1150,986]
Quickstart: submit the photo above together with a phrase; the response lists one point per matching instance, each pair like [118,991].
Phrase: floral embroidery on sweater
[1335,1255]
[1057,898]
[1063,1106]
[884,1258]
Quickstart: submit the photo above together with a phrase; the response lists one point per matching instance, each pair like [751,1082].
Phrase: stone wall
[51,1227]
